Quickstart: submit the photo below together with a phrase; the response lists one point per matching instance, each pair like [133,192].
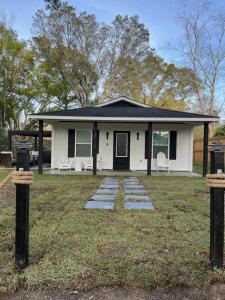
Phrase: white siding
[137,147]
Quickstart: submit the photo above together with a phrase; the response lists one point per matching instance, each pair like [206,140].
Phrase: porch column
[40,148]
[9,141]
[94,147]
[149,163]
[35,143]
[205,149]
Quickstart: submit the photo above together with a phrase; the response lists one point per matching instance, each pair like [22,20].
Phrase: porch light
[107,135]
[138,134]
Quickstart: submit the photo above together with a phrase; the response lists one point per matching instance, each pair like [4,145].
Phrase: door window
[121,144]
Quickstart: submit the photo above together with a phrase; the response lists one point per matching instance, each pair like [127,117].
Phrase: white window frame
[87,130]
[168,146]
[122,156]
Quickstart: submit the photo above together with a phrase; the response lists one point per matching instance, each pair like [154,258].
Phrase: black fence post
[22,213]
[216,212]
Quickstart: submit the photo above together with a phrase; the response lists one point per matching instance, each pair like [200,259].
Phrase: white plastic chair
[162,162]
[88,163]
[64,163]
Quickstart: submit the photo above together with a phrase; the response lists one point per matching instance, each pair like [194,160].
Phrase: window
[160,143]
[83,143]
[121,144]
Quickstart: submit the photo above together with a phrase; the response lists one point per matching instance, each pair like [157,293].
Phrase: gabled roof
[124,113]
[122,99]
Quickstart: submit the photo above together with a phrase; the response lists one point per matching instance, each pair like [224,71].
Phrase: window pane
[121,144]
[157,149]
[83,137]
[83,150]
[160,138]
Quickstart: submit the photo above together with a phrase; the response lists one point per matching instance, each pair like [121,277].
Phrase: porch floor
[121,173]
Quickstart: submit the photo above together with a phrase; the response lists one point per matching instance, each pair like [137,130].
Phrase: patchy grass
[73,248]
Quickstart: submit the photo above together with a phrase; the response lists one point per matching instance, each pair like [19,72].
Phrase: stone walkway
[135,196]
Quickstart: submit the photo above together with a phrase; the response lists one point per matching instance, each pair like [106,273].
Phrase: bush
[3,139]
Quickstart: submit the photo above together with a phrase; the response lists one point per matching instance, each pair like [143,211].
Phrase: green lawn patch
[73,248]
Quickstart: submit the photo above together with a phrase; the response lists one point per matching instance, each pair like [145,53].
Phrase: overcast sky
[158,15]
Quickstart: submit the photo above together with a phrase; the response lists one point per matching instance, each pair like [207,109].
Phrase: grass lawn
[73,248]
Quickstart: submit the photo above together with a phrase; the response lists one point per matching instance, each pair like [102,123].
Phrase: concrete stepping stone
[137,186]
[132,183]
[109,186]
[139,205]
[131,180]
[107,191]
[103,197]
[135,191]
[137,197]
[110,179]
[99,205]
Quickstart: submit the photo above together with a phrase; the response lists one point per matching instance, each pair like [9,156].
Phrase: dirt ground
[216,292]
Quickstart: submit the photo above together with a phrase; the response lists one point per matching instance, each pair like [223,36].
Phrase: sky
[159,16]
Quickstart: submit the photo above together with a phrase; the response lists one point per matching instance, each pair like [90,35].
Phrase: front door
[121,150]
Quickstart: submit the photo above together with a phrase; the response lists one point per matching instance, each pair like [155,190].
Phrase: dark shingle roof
[126,112]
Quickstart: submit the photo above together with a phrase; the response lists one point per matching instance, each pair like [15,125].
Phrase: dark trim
[31,133]
[94,147]
[114,149]
[149,162]
[71,142]
[205,149]
[40,148]
[173,145]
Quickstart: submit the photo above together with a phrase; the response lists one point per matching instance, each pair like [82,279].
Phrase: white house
[122,134]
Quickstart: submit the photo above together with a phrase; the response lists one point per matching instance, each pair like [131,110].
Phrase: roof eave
[122,119]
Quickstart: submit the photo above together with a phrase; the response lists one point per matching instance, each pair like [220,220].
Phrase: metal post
[22,213]
[216,213]
[94,148]
[149,163]
[9,141]
[35,143]
[205,149]
[40,148]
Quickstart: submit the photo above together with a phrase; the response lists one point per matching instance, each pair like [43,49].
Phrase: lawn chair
[88,163]
[162,162]
[64,163]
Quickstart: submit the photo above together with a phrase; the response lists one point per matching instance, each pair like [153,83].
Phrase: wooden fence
[198,147]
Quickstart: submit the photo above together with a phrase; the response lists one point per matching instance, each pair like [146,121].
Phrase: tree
[16,64]
[203,50]
[87,55]
[157,83]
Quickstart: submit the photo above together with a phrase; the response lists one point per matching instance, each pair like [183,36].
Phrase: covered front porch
[120,173]
[140,141]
